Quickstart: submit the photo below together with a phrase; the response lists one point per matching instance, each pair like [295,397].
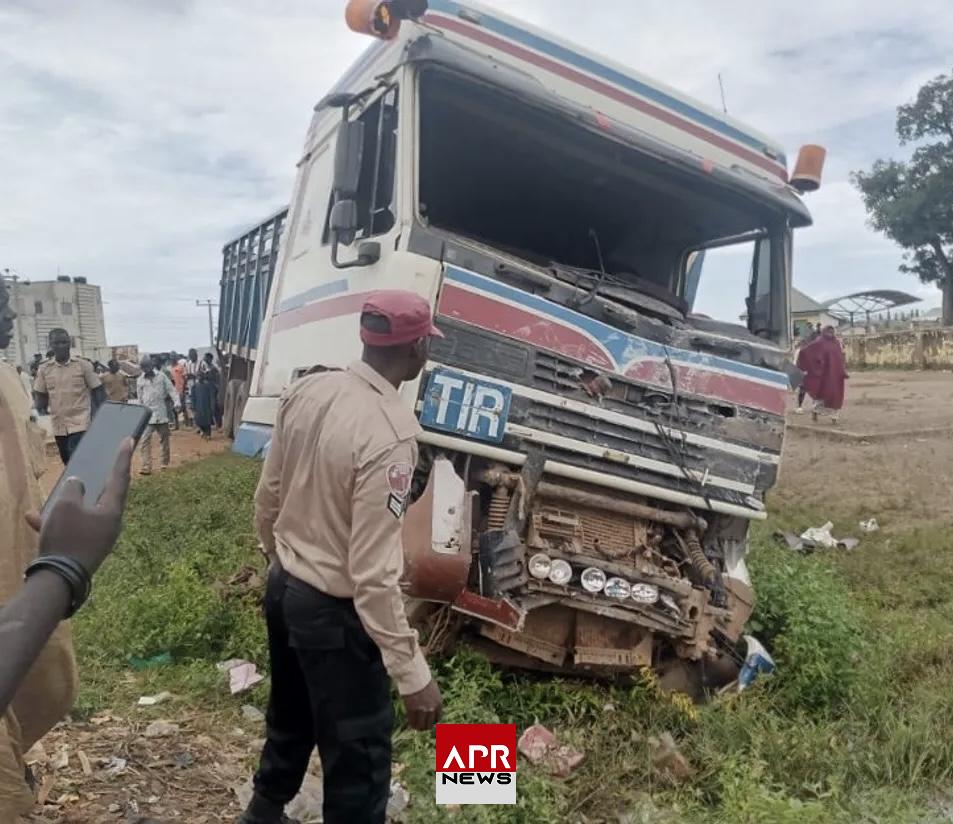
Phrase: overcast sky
[137,137]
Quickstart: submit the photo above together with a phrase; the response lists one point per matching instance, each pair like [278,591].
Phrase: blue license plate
[466,406]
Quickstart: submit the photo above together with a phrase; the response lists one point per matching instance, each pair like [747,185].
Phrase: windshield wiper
[602,269]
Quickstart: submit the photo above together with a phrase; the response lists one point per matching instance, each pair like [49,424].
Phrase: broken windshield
[534,184]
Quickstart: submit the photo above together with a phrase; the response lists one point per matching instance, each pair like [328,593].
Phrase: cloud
[136,138]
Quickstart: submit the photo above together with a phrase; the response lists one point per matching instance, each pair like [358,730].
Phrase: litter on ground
[540,747]
[152,700]
[242,675]
[758,661]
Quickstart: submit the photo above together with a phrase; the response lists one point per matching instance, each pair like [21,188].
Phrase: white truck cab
[593,450]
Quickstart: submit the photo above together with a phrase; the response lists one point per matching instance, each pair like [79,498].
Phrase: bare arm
[26,623]
[85,534]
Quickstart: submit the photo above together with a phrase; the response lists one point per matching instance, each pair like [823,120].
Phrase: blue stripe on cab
[623,347]
[325,290]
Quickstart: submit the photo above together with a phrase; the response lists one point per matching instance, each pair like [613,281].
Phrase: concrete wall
[907,349]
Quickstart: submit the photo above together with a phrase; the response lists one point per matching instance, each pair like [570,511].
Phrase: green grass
[857,725]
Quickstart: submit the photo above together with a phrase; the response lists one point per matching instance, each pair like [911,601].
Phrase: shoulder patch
[399,477]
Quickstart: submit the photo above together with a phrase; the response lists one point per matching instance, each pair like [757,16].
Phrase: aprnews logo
[476,763]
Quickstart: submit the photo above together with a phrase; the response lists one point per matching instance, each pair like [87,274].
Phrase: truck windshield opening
[532,182]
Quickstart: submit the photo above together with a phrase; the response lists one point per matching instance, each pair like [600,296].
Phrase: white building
[807,313]
[67,303]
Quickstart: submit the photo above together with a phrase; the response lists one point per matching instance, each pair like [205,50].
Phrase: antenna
[721,85]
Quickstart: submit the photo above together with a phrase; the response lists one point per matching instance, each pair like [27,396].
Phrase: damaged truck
[594,449]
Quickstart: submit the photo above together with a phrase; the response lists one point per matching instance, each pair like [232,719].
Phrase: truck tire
[231,397]
[240,398]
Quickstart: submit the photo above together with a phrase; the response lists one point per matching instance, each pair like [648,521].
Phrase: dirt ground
[112,769]
[186,446]
[888,457]
[889,402]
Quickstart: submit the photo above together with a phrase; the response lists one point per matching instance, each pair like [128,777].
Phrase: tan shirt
[331,499]
[22,461]
[47,692]
[68,385]
[116,389]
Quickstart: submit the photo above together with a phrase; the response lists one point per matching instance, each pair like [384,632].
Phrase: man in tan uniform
[329,510]
[69,388]
[115,380]
[50,687]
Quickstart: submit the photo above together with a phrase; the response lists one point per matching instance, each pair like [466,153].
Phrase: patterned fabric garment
[153,392]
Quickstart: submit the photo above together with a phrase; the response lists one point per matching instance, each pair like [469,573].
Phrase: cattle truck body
[248,268]
[555,209]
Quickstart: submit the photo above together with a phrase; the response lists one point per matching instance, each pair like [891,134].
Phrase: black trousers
[67,445]
[329,689]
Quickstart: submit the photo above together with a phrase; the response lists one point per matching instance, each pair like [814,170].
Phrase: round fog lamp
[560,572]
[593,579]
[644,593]
[618,588]
[539,566]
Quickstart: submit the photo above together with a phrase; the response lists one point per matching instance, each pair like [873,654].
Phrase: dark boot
[262,811]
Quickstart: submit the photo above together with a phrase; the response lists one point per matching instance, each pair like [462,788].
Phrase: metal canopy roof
[868,303]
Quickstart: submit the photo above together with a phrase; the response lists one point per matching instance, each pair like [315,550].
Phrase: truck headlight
[644,593]
[618,588]
[539,565]
[593,579]
[560,572]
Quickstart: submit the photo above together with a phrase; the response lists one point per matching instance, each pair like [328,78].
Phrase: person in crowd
[115,380]
[193,367]
[69,390]
[37,667]
[215,378]
[178,381]
[155,392]
[825,372]
[203,403]
[35,364]
[329,511]
[164,364]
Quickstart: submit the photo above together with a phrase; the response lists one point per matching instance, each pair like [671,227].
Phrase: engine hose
[699,560]
[710,576]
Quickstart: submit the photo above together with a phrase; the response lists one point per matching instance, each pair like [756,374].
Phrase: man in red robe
[822,362]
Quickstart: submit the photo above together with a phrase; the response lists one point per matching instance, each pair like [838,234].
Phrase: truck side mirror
[343,225]
[348,156]
[343,221]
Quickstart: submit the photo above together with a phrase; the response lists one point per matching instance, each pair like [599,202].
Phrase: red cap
[408,315]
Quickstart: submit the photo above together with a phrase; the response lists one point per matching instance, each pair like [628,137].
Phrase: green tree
[911,201]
